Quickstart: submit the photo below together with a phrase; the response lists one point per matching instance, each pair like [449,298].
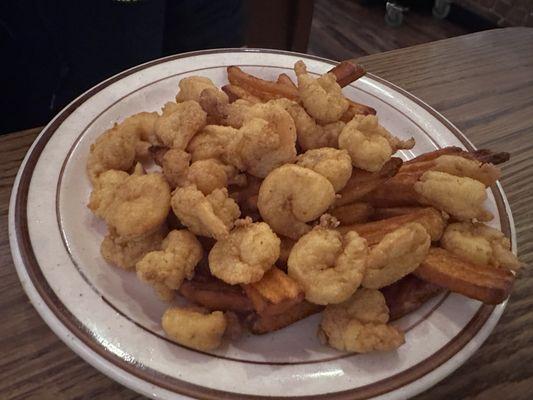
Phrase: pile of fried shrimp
[263,202]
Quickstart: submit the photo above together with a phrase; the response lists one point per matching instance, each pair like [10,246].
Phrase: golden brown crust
[265,324]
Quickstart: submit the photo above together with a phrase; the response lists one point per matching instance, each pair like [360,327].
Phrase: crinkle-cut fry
[356,109]
[485,283]
[408,295]
[388,212]
[235,92]
[275,293]
[260,324]
[354,213]
[215,295]
[362,182]
[430,218]
[265,90]
[347,72]
[285,79]
[397,191]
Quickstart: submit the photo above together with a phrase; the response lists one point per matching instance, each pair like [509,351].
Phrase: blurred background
[54,50]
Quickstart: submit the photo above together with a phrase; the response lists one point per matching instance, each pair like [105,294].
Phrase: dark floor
[344,29]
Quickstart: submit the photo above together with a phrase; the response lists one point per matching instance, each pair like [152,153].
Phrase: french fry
[432,219]
[235,92]
[355,213]
[483,155]
[397,191]
[214,294]
[388,212]
[356,109]
[285,79]
[264,90]
[347,72]
[363,182]
[285,250]
[275,293]
[485,283]
[408,294]
[268,323]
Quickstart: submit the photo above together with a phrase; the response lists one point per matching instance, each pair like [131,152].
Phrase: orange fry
[268,323]
[264,90]
[481,282]
[388,212]
[285,79]
[355,213]
[373,232]
[397,191]
[347,72]
[235,92]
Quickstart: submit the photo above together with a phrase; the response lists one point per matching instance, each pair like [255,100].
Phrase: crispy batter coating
[178,127]
[360,324]
[140,205]
[461,197]
[399,253]
[485,173]
[194,329]
[292,195]
[212,215]
[328,265]
[104,189]
[166,269]
[144,124]
[175,166]
[192,87]
[126,253]
[480,244]
[333,164]
[208,175]
[246,254]
[322,97]
[214,142]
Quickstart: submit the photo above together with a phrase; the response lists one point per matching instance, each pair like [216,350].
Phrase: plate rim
[22,248]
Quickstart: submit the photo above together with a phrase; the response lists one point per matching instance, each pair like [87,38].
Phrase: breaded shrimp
[104,189]
[333,164]
[166,269]
[176,129]
[322,97]
[192,87]
[480,244]
[328,265]
[360,324]
[292,195]
[398,254]
[212,215]
[194,328]
[246,254]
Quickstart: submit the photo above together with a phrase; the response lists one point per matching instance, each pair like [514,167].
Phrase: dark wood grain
[483,83]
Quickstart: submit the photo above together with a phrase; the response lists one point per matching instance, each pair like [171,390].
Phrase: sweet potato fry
[268,323]
[481,282]
[235,92]
[388,212]
[264,90]
[356,109]
[364,182]
[397,191]
[432,219]
[355,213]
[483,155]
[214,294]
[285,79]
[408,294]
[347,72]
[275,293]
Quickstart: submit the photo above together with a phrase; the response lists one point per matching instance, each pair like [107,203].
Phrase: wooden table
[483,83]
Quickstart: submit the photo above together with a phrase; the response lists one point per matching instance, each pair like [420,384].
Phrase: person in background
[52,51]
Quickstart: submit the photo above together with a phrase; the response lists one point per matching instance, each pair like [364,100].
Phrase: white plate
[113,321]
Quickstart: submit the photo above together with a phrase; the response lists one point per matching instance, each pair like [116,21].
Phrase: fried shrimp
[104,189]
[208,175]
[126,253]
[144,124]
[333,164]
[166,269]
[178,127]
[212,215]
[175,166]
[461,197]
[399,253]
[480,244]
[140,205]
[328,265]
[322,97]
[360,324]
[246,254]
[267,141]
[292,195]
[193,328]
[369,144]
[191,88]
